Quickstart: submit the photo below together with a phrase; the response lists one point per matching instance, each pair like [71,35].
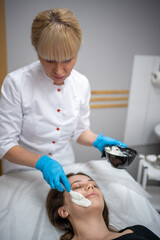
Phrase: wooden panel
[110,92]
[0,167]
[108,105]
[3,50]
[118,99]
[109,99]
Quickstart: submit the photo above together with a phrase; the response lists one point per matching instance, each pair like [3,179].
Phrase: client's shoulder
[141,230]
[135,228]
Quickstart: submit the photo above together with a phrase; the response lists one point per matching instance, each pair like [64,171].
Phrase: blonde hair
[56,34]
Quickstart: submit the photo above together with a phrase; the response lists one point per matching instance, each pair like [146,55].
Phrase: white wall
[113,32]
[144,103]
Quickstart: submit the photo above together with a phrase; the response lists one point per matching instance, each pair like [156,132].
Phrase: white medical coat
[40,116]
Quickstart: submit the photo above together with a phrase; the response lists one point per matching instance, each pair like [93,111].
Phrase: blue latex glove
[102,141]
[53,173]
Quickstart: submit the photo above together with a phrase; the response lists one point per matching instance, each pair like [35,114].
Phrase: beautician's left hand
[102,141]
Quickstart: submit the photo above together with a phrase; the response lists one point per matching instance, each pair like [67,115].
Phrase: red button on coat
[58,89]
[53,142]
[58,129]
[49,153]
[58,110]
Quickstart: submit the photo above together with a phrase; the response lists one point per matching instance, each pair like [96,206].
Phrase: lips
[58,77]
[93,194]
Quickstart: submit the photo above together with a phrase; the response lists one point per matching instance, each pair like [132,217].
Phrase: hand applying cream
[79,199]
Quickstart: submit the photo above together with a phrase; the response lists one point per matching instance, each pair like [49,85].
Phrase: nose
[90,186]
[58,69]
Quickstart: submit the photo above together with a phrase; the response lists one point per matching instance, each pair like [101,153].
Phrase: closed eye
[77,186]
[50,61]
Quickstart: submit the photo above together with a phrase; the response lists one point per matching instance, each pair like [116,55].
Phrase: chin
[97,204]
[58,83]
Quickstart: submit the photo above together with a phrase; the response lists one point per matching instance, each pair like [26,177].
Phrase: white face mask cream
[79,199]
[115,151]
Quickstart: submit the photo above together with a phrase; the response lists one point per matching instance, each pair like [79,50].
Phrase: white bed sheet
[23,195]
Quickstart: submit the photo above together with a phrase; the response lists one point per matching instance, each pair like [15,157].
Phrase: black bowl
[120,161]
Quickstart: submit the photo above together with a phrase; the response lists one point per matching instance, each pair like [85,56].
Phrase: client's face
[89,189]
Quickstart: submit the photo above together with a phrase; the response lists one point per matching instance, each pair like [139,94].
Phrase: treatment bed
[23,195]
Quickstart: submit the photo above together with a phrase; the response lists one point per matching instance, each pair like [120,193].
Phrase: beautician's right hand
[53,173]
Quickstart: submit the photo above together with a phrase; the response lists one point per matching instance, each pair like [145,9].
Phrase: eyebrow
[81,181]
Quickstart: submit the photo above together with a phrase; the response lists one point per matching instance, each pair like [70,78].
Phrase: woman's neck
[90,228]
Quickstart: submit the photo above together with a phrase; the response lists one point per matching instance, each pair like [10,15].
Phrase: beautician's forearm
[20,155]
[87,138]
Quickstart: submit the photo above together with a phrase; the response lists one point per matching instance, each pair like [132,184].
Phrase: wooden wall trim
[109,105]
[118,97]
[100,99]
[3,48]
[110,92]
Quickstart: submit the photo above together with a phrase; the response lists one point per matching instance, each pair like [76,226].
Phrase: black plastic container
[120,161]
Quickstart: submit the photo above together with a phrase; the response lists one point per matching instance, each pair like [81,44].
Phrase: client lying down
[87,217]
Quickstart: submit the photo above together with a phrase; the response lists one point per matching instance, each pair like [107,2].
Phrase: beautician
[46,104]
